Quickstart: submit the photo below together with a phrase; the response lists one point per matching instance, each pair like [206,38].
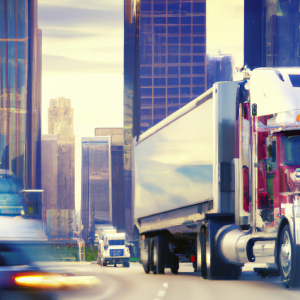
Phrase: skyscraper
[271,33]
[96,205]
[120,213]
[164,65]
[60,123]
[20,91]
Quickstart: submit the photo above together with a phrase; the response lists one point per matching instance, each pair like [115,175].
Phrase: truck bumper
[116,260]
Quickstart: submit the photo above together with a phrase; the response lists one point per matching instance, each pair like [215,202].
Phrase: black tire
[288,259]
[145,255]
[174,263]
[158,255]
[126,264]
[104,264]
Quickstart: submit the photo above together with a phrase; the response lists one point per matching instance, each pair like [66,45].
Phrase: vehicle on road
[219,180]
[113,250]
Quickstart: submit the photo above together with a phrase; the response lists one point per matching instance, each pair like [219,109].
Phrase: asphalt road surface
[133,284]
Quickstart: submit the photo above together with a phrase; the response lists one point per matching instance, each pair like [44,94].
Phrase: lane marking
[161,293]
[165,285]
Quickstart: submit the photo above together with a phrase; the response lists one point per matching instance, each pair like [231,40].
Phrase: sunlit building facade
[58,171]
[96,195]
[60,123]
[164,67]
[20,91]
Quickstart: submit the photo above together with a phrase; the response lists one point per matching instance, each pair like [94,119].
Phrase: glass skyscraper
[172,56]
[20,91]
[272,33]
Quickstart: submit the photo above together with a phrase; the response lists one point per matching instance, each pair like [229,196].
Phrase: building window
[173,81]
[185,81]
[173,91]
[146,81]
[159,81]
[185,59]
[172,70]
[173,59]
[173,100]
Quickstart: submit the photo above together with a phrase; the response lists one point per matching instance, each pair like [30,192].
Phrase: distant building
[58,170]
[20,91]
[120,212]
[96,195]
[60,123]
[49,170]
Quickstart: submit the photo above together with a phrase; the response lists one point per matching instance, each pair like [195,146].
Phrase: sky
[82,49]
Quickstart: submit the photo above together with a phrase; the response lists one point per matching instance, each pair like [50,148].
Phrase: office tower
[20,91]
[119,210]
[49,170]
[60,123]
[164,65]
[271,33]
[96,206]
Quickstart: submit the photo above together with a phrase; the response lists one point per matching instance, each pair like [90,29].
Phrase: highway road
[132,284]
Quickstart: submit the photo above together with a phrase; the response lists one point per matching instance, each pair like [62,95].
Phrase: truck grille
[116,252]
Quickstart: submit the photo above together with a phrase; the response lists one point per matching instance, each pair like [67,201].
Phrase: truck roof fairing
[275,90]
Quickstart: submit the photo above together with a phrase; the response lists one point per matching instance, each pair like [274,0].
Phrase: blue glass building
[172,56]
[20,91]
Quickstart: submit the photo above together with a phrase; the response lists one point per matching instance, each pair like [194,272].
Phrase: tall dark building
[117,178]
[96,205]
[271,33]
[20,91]
[164,67]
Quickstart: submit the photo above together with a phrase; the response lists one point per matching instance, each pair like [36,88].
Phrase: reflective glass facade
[172,49]
[96,204]
[272,36]
[20,91]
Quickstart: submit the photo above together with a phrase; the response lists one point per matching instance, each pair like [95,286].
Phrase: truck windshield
[116,242]
[291,150]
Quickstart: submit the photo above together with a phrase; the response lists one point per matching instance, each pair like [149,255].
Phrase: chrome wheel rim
[286,255]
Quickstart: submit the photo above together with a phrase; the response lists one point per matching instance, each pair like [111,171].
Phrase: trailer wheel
[158,255]
[145,255]
[288,259]
[174,263]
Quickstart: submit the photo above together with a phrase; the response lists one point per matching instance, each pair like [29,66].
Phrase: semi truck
[219,180]
[113,250]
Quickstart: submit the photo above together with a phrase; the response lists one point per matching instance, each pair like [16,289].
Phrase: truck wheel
[145,255]
[158,255]
[104,264]
[174,263]
[126,264]
[288,259]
